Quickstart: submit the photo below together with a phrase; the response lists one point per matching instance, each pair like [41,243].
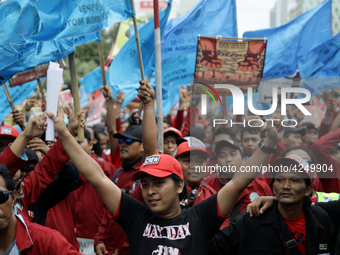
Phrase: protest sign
[233,62]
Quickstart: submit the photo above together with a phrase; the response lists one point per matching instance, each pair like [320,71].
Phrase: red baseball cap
[159,165]
[176,132]
[8,131]
[293,160]
[193,144]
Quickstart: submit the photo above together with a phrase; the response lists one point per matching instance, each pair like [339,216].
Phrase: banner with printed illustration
[238,63]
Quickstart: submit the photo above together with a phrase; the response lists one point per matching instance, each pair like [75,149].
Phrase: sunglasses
[128,141]
[17,187]
[307,160]
[313,132]
[4,196]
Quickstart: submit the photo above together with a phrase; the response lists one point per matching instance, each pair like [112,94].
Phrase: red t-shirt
[298,229]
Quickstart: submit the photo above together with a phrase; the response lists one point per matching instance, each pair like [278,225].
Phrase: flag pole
[8,95]
[158,74]
[138,50]
[40,84]
[101,59]
[75,92]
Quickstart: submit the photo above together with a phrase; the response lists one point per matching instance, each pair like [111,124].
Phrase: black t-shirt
[188,233]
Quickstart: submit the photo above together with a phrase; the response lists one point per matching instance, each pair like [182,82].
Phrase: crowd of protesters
[116,192]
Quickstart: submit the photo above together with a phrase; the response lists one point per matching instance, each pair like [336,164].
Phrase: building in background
[287,10]
[144,8]
[281,13]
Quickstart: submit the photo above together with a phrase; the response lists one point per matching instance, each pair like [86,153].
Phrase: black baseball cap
[135,132]
[309,126]
[231,143]
[32,158]
[301,130]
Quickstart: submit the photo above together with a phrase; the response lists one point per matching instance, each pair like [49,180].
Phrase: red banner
[29,75]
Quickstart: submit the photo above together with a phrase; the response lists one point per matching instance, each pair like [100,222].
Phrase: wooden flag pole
[75,93]
[101,59]
[36,93]
[138,50]
[40,84]
[8,95]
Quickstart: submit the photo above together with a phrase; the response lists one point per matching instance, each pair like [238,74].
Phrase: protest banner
[229,61]
[66,97]
[35,73]
[94,114]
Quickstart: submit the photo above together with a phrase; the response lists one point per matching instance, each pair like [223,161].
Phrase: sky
[253,15]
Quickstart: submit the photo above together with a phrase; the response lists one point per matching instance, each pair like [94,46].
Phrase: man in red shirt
[7,135]
[170,136]
[110,236]
[230,158]
[88,205]
[20,236]
[192,155]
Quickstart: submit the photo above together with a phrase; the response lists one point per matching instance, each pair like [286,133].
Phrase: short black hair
[251,130]
[307,200]
[96,147]
[6,174]
[224,130]
[185,193]
[87,135]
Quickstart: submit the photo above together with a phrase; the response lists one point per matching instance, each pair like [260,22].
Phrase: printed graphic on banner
[29,75]
[66,97]
[94,115]
[238,63]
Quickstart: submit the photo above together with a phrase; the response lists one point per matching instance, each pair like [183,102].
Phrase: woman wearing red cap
[161,226]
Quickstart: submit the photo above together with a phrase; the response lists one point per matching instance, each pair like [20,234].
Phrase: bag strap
[291,244]
[116,174]
[235,210]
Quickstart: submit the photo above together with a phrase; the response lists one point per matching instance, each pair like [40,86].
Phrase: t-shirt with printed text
[188,233]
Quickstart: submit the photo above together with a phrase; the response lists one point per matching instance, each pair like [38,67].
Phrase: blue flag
[320,68]
[173,98]
[84,39]
[124,70]
[15,58]
[323,61]
[93,80]
[18,94]
[179,43]
[289,42]
[50,20]
[208,18]
[83,97]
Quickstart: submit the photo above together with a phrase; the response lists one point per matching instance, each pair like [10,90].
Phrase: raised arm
[147,95]
[35,128]
[110,118]
[87,166]
[229,194]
